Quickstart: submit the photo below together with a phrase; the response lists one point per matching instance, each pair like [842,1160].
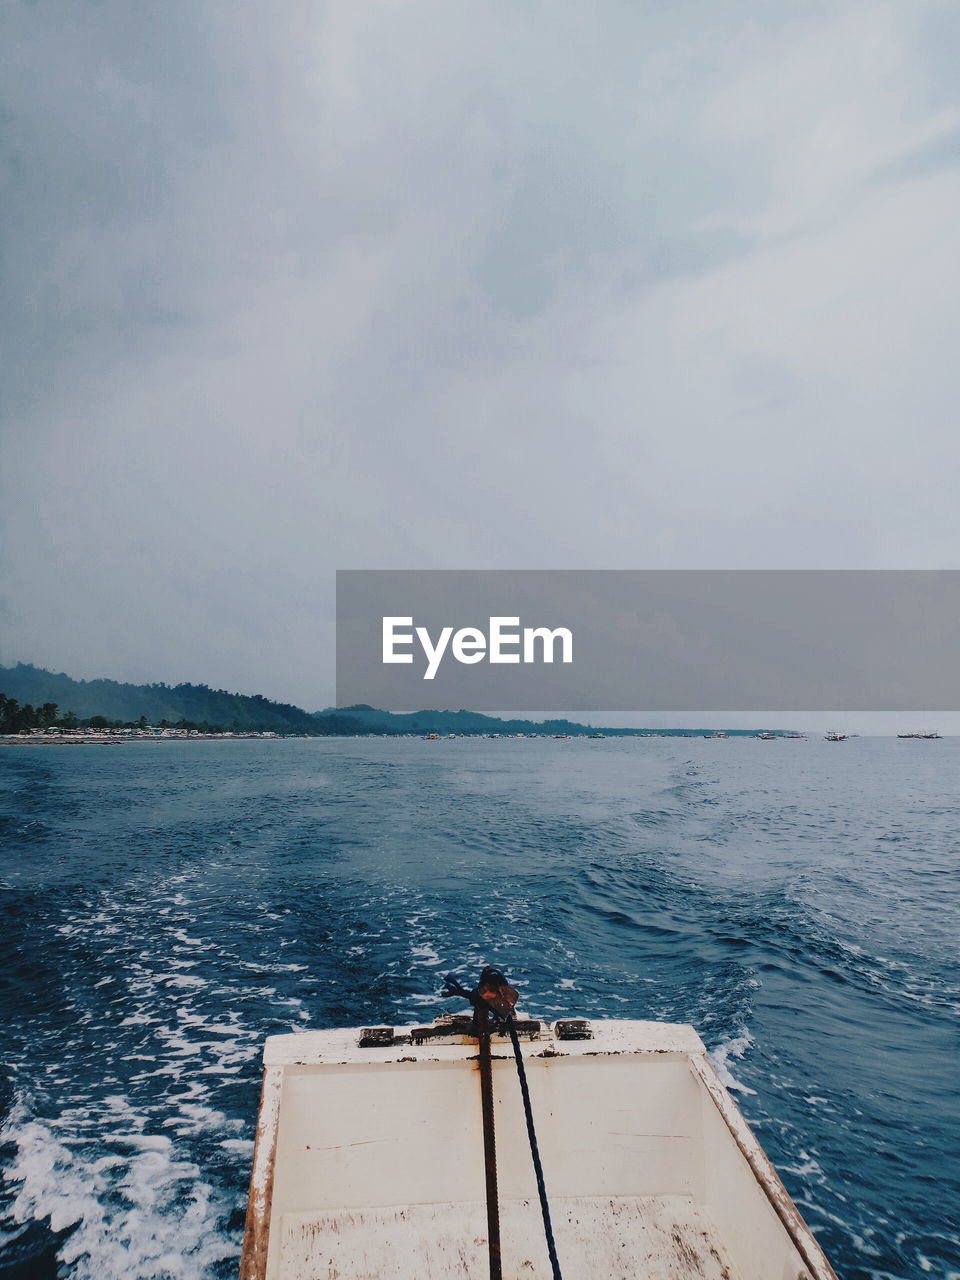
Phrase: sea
[167,905]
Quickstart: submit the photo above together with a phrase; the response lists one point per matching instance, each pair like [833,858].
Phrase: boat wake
[124,1205]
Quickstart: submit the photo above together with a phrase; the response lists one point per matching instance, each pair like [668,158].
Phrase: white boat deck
[657,1238]
[369,1163]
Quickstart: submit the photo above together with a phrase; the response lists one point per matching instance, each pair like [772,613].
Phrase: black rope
[535,1152]
[493,997]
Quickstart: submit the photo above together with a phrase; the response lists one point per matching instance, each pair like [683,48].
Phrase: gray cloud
[300,287]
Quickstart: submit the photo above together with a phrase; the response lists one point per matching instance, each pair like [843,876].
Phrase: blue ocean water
[168,905]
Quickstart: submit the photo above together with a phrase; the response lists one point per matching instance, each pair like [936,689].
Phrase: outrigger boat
[377,1156]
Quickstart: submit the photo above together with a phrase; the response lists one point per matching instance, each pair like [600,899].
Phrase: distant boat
[926,735]
[766,737]
[598,735]
[431,737]
[834,736]
[561,735]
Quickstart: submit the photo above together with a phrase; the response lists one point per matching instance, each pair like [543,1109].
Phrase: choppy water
[166,906]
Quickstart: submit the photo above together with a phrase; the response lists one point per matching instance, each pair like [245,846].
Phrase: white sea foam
[134,1216]
[807,1168]
[123,1173]
[859,1239]
[241,1146]
[425,955]
[194,1118]
[735,1047]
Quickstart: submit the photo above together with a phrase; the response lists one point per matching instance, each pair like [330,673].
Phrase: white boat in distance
[370,1160]
[834,736]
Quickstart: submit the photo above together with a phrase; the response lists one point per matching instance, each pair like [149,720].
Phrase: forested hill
[35,698]
[471,722]
[195,704]
[458,722]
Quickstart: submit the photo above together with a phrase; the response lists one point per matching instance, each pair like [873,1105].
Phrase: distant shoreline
[118,740]
[35,740]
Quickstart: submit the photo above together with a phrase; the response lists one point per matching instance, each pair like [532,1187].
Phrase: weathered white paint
[256,1234]
[369,1163]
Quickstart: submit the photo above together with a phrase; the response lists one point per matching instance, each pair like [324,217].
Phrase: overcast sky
[295,286]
